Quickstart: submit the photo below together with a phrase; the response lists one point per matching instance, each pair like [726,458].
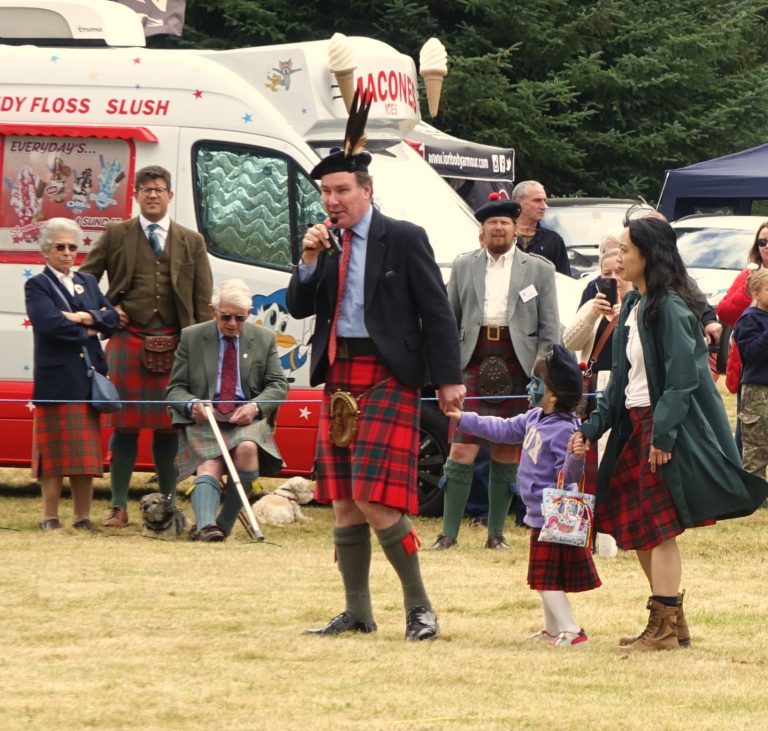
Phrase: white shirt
[497,274]
[636,393]
[161,231]
[65,279]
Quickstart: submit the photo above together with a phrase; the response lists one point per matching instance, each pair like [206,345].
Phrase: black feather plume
[354,135]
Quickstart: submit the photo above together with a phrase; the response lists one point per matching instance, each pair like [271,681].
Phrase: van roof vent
[69,23]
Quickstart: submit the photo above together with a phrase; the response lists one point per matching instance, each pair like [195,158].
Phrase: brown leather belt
[347,348]
[494,332]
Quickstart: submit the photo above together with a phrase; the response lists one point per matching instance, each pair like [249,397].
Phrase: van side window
[252,203]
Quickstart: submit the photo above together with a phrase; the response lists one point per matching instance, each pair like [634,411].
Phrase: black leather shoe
[342,623]
[442,543]
[421,624]
[497,543]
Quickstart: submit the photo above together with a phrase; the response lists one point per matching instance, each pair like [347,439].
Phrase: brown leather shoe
[207,534]
[497,543]
[116,518]
[442,543]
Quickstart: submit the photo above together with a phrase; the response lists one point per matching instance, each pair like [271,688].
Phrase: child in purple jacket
[546,432]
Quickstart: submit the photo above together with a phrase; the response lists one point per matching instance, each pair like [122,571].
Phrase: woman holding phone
[591,331]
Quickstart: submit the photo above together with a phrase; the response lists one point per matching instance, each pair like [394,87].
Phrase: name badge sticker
[528,293]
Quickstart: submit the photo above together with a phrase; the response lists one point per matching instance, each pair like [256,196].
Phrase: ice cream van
[239,130]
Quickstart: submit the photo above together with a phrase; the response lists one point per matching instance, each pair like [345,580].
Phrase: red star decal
[87,241]
[27,323]
[136,60]
[198,94]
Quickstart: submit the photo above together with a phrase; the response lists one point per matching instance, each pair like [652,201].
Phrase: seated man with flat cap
[505,304]
[383,326]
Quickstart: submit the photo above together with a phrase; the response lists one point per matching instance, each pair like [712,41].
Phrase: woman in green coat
[670,462]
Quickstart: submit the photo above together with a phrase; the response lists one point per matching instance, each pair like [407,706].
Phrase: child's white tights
[558,616]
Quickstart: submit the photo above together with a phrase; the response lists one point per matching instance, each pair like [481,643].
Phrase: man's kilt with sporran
[134,382]
[380,465]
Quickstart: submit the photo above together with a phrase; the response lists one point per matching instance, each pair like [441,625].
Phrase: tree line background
[598,97]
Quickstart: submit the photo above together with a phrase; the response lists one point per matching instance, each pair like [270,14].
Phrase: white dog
[282,506]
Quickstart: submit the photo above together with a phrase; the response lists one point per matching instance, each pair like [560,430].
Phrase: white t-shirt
[636,393]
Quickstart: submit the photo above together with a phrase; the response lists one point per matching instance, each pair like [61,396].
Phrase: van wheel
[433,451]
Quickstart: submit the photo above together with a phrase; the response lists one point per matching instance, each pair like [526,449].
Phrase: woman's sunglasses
[762,242]
[65,247]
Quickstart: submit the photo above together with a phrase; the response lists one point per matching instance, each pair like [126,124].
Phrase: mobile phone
[607,285]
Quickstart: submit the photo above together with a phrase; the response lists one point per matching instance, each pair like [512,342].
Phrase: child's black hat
[563,371]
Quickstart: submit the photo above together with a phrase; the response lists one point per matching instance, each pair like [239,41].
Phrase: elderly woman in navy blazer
[68,312]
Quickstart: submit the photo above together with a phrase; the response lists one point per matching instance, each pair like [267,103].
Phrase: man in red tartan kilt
[383,328]
[159,282]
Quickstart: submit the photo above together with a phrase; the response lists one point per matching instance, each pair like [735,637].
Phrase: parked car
[714,249]
[583,222]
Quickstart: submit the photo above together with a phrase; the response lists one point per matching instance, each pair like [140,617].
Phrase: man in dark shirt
[532,237]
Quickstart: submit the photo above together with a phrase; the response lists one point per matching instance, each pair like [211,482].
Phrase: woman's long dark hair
[664,269]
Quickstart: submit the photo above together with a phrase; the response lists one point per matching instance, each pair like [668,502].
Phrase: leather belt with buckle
[347,348]
[495,332]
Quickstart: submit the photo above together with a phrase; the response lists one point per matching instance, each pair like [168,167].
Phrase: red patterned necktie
[227,391]
[346,248]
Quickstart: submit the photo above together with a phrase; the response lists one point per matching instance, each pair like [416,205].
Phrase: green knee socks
[353,557]
[124,448]
[458,484]
[232,504]
[500,484]
[401,551]
[164,449]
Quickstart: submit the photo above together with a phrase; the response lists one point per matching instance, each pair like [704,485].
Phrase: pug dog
[159,518]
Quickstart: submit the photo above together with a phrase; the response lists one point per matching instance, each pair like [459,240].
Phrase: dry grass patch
[115,631]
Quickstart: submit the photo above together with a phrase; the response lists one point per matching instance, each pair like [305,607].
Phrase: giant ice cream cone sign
[433,67]
[342,62]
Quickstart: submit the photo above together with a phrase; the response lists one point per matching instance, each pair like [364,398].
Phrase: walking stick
[254,531]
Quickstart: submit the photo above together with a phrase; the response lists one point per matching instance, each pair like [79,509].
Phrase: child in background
[546,432]
[751,335]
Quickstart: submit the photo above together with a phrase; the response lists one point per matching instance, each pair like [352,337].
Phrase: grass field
[115,631]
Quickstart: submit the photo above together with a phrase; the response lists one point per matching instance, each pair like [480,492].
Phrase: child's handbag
[567,515]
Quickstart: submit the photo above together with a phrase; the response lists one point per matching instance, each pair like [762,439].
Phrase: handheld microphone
[333,236]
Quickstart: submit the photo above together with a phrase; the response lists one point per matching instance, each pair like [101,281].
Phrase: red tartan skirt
[518,404]
[637,509]
[380,465]
[66,440]
[135,382]
[555,567]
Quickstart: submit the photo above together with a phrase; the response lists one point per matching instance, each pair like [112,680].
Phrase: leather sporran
[344,415]
[159,352]
[493,378]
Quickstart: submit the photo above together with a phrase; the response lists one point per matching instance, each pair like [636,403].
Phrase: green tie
[154,240]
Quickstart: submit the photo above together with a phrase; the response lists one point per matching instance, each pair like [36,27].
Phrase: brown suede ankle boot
[627,639]
[661,632]
[683,632]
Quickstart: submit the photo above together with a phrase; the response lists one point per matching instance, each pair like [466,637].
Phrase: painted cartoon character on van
[270,312]
[281,76]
